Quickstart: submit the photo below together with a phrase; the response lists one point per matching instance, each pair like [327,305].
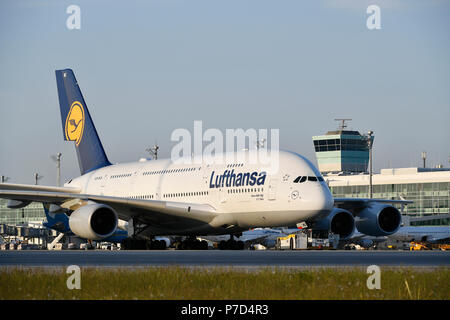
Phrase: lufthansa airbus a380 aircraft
[160,197]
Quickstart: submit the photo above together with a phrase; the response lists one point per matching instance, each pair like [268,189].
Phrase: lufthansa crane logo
[75,123]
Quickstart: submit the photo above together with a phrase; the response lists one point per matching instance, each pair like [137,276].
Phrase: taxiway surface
[224,258]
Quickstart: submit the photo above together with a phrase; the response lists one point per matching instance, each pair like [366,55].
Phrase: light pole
[369,141]
[37,177]
[424,158]
[57,158]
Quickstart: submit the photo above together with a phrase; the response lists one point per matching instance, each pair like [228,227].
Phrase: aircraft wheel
[222,245]
[149,245]
[125,244]
[191,244]
[232,245]
[197,245]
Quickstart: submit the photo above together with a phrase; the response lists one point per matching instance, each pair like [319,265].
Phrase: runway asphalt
[244,258]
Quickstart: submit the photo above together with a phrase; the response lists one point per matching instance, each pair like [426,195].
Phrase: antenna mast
[342,126]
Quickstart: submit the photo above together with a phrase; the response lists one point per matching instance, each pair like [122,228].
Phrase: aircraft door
[212,192]
[223,195]
[272,193]
[103,184]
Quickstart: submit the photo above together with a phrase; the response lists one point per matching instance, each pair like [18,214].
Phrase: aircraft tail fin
[77,123]
[56,221]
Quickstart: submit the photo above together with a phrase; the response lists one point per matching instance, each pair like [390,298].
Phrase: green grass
[224,283]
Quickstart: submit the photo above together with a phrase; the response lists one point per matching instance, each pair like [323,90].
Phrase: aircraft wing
[29,187]
[438,234]
[254,238]
[154,212]
[261,239]
[357,204]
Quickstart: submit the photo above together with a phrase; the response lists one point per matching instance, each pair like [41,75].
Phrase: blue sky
[149,67]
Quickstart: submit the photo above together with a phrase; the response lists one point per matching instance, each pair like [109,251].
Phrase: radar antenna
[153,151]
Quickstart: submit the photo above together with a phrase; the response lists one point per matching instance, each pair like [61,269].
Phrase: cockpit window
[300,179]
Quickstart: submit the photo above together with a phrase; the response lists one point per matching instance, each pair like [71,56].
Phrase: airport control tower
[342,151]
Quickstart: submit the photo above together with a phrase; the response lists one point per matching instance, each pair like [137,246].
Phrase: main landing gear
[142,244]
[192,243]
[134,243]
[231,244]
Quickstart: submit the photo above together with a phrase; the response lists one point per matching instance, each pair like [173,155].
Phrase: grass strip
[183,283]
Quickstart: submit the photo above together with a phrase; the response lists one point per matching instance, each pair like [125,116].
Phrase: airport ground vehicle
[416,246]
[352,246]
[287,242]
[308,239]
[429,246]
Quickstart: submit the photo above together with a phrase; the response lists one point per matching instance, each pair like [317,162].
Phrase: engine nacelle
[93,221]
[17,204]
[379,220]
[339,221]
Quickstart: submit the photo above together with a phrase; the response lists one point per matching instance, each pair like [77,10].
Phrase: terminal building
[343,158]
[428,188]
[31,214]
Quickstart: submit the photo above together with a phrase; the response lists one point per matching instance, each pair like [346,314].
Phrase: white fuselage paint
[277,202]
[430,233]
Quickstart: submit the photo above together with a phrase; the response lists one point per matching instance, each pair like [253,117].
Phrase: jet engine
[93,221]
[339,221]
[378,220]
